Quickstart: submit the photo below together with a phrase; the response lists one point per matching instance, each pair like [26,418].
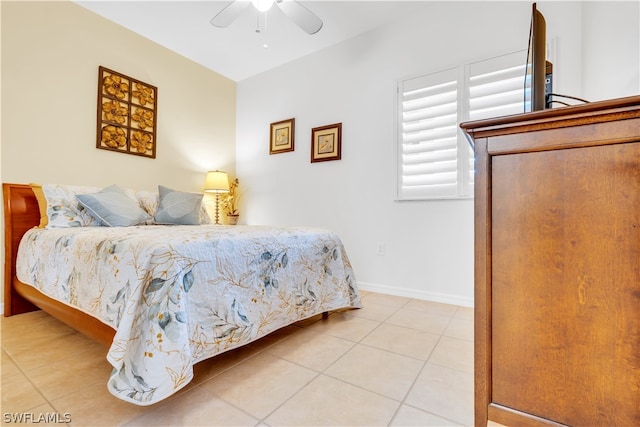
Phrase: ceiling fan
[303,17]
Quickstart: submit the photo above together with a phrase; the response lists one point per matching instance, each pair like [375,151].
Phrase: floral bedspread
[177,295]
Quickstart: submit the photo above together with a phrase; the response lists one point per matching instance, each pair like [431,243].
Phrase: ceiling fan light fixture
[262,5]
[299,14]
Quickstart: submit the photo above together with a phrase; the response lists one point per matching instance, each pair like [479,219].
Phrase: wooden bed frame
[21,213]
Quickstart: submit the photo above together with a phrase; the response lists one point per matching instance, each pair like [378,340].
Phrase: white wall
[428,244]
[611,49]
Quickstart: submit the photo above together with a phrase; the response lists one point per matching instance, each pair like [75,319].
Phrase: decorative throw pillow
[113,207]
[178,207]
[63,209]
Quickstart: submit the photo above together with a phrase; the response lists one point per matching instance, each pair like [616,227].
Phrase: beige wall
[51,51]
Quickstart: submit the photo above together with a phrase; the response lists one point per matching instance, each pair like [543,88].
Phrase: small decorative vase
[233,219]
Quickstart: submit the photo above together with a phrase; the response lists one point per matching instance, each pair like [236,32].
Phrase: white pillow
[64,210]
[148,200]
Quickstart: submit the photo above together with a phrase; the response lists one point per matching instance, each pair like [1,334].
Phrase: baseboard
[417,294]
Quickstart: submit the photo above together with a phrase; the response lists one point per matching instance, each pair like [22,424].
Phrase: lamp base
[217,209]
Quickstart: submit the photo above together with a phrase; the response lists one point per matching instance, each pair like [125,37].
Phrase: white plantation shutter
[434,159]
[496,86]
[428,148]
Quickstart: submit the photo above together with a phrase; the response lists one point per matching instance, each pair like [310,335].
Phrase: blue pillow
[178,207]
[113,207]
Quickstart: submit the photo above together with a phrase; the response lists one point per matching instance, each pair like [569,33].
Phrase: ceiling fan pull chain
[261,24]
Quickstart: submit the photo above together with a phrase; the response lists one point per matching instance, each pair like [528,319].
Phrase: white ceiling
[238,51]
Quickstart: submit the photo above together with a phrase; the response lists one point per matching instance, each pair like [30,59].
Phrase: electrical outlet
[380,248]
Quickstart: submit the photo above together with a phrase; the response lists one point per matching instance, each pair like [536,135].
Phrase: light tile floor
[396,362]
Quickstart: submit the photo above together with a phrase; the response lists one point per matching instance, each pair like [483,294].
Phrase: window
[434,159]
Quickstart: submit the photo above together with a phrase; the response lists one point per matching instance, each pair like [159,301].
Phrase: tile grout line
[320,373]
[26,377]
[426,361]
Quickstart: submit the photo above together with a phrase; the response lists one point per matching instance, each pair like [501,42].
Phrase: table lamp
[217,182]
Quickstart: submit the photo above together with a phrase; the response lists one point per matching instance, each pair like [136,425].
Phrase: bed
[164,297]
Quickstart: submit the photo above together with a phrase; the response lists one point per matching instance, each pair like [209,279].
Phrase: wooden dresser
[557,266]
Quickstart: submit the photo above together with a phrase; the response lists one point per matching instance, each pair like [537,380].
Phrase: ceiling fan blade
[226,16]
[302,16]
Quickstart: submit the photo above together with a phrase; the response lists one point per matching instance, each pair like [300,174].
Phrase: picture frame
[282,136]
[326,143]
[127,114]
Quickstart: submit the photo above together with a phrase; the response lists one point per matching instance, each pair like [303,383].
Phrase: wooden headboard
[21,213]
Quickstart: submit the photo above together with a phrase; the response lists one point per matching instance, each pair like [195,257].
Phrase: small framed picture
[326,143]
[282,136]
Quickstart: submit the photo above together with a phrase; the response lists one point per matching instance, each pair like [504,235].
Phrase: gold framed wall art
[326,143]
[282,136]
[127,114]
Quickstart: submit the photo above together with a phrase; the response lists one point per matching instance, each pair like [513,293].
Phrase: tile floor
[396,362]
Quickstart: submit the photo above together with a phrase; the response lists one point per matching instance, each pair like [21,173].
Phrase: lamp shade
[216,182]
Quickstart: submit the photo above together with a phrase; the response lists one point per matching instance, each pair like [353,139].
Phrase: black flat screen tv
[538,79]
